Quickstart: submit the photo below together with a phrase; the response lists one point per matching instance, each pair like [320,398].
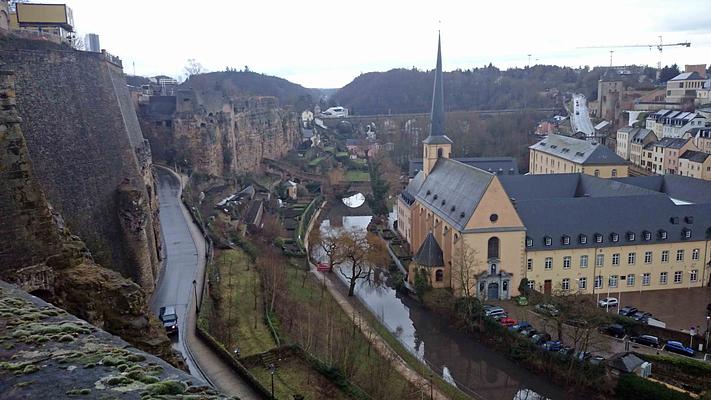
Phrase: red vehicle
[507,321]
[323,267]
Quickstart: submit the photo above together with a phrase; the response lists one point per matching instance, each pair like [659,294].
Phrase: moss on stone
[78,392]
[169,387]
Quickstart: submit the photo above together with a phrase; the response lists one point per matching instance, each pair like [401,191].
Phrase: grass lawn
[295,376]
[366,368]
[357,176]
[244,326]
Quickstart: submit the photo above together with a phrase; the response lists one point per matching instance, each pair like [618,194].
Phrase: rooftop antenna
[611,51]
[529,61]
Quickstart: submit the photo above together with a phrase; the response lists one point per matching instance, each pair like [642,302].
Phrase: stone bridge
[415,123]
[287,170]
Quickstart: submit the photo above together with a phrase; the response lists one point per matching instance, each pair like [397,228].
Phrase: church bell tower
[437,144]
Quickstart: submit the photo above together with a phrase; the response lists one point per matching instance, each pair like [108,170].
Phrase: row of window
[631,259]
[629,279]
[615,237]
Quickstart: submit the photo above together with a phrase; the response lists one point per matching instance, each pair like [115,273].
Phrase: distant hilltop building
[335,112]
[91,41]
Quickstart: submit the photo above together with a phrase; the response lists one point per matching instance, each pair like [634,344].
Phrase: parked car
[582,355]
[627,311]
[528,332]
[539,338]
[507,321]
[494,311]
[608,302]
[641,316]
[615,330]
[647,340]
[547,309]
[169,318]
[552,345]
[521,325]
[566,351]
[673,346]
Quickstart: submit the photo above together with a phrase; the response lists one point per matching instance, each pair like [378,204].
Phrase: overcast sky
[328,43]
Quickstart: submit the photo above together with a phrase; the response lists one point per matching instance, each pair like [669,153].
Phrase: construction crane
[659,46]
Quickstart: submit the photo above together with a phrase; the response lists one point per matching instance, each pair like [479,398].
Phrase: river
[459,359]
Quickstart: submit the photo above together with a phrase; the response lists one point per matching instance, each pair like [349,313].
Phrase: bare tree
[193,67]
[329,244]
[273,274]
[465,263]
[358,254]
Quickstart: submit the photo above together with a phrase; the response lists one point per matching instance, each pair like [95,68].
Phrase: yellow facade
[616,263]
[544,163]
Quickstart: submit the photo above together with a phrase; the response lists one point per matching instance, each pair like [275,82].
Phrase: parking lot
[679,309]
[599,344]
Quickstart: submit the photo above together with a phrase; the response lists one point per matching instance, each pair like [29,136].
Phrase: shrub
[633,387]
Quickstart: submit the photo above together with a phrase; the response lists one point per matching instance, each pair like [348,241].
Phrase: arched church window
[439,275]
[493,248]
[493,269]
[439,153]
[505,286]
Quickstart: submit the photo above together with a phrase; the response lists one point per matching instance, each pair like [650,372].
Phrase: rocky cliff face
[217,137]
[41,256]
[84,140]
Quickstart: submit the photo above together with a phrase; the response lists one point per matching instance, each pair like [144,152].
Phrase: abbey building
[480,233]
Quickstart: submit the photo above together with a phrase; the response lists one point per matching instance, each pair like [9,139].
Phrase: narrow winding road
[581,118]
[184,249]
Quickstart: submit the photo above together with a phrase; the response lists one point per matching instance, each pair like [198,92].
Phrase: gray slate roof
[626,362]
[429,254]
[453,190]
[641,134]
[672,143]
[557,205]
[606,215]
[688,76]
[496,165]
[695,156]
[578,151]
[675,186]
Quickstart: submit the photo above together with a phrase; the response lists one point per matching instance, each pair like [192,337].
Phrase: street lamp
[272,369]
[197,304]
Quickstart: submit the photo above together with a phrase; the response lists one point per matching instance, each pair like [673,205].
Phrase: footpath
[383,348]
[210,366]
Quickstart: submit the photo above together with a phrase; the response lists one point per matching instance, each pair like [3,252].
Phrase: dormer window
[647,235]
[529,242]
[674,220]
[630,236]
[614,237]
[583,239]
[686,233]
[566,239]
[662,234]
[689,220]
[435,197]
[598,238]
[547,240]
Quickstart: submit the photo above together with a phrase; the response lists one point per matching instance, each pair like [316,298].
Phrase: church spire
[437,145]
[437,134]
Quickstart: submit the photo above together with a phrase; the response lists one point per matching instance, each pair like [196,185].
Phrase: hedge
[633,387]
[685,365]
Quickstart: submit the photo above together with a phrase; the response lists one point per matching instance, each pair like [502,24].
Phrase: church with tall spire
[484,233]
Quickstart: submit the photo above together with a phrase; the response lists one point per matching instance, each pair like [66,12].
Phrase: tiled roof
[495,165]
[688,76]
[671,143]
[453,190]
[695,156]
[578,151]
[429,254]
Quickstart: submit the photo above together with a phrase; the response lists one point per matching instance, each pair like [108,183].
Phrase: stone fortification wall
[41,256]
[233,138]
[85,143]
